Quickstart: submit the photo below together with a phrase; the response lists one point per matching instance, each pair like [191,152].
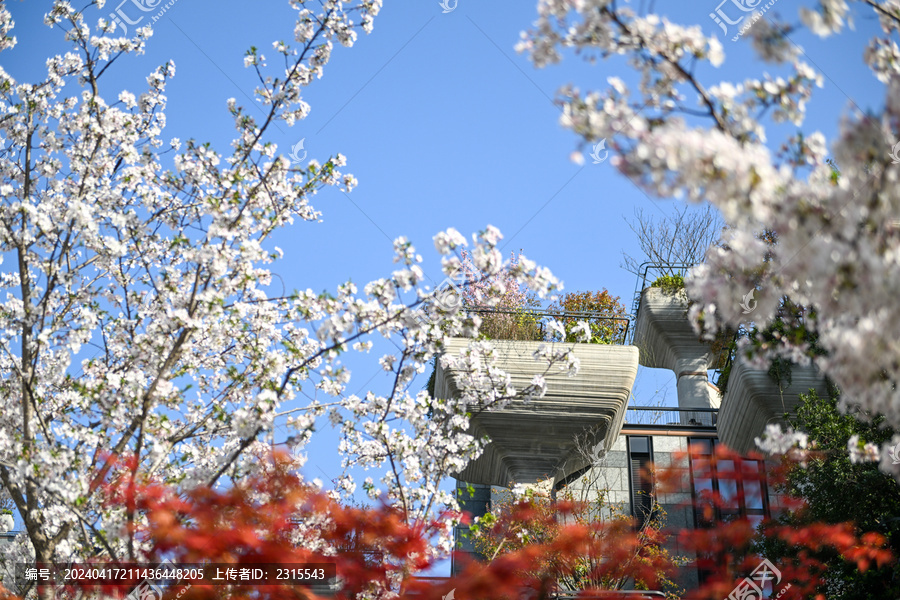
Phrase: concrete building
[547,439]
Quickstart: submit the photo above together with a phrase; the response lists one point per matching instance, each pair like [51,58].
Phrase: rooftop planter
[755,399]
[664,333]
[666,339]
[6,521]
[535,440]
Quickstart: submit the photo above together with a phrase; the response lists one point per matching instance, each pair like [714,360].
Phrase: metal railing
[8,536]
[617,326]
[648,272]
[671,416]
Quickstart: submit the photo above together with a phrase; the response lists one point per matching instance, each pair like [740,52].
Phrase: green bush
[837,490]
[610,330]
[669,283]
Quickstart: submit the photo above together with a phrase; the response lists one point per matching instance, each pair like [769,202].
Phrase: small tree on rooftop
[502,303]
[674,240]
[608,330]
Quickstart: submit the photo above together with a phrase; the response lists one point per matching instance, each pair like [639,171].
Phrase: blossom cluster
[833,219]
[139,317]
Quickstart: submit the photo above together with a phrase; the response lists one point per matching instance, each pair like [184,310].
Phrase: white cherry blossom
[139,314]
[687,135]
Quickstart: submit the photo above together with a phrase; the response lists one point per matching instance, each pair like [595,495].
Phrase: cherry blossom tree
[681,135]
[138,317]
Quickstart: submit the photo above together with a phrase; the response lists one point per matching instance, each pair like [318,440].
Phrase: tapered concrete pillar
[666,340]
[536,440]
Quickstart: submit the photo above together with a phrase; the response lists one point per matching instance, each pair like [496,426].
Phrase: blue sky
[444,125]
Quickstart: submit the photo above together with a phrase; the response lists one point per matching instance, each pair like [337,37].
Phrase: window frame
[740,493]
[646,459]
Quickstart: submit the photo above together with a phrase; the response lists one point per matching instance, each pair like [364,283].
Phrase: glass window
[639,444]
[753,497]
[739,486]
[640,455]
[725,490]
[755,520]
[701,445]
[703,486]
[728,492]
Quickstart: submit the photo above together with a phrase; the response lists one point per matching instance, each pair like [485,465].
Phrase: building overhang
[754,400]
[537,440]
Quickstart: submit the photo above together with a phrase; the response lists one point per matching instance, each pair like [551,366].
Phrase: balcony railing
[531,324]
[671,416]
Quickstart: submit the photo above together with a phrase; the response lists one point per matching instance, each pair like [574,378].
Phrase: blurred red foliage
[276,518]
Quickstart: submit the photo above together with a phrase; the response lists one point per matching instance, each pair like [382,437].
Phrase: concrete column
[666,340]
